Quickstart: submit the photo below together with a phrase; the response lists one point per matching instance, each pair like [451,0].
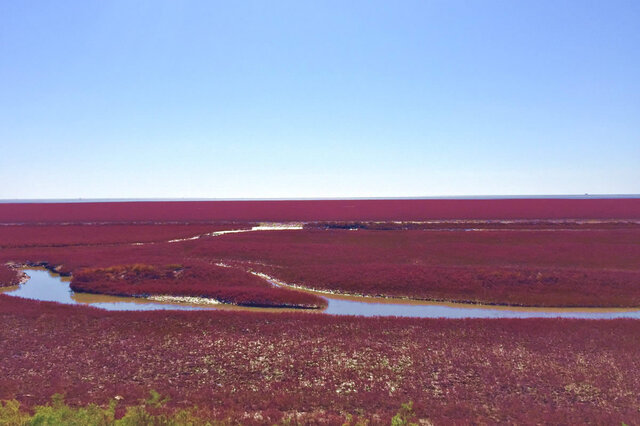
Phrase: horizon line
[443,197]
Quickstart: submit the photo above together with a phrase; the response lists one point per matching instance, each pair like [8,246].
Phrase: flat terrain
[568,264]
[311,367]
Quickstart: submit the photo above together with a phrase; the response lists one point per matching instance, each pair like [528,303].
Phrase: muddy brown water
[47,286]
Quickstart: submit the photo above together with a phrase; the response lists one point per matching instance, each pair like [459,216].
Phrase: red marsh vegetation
[321,210]
[194,279]
[549,261]
[8,276]
[260,368]
[538,266]
[269,368]
[595,267]
[478,224]
[12,236]
[144,270]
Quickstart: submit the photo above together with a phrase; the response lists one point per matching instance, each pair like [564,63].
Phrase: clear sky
[262,99]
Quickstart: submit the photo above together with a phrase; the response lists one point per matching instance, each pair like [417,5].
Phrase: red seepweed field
[64,235]
[247,367]
[534,267]
[320,210]
[8,276]
[191,278]
[261,368]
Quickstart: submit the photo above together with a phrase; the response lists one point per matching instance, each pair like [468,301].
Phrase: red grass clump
[196,279]
[8,276]
[252,366]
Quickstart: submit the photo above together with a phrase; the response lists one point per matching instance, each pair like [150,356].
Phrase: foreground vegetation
[149,412]
[317,368]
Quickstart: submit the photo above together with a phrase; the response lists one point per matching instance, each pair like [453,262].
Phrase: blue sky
[281,99]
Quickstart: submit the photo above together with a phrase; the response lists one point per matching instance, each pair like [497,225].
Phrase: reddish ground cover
[263,368]
[542,267]
[66,235]
[320,210]
[595,267]
[193,277]
[199,279]
[542,262]
[477,224]
[8,276]
[260,366]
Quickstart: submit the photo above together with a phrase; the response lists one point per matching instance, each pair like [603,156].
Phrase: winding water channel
[47,286]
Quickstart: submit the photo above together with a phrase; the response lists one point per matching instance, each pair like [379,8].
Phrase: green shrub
[405,416]
[11,415]
[57,412]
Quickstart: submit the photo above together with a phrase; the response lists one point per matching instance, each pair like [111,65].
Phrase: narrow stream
[47,286]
